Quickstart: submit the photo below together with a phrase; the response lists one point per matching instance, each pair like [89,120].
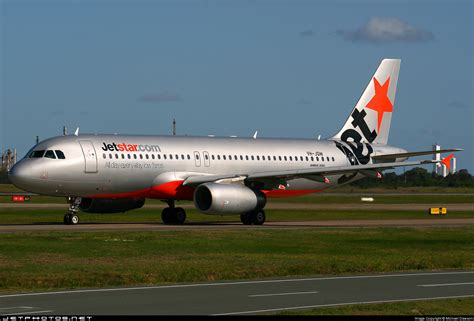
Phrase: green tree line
[418,177]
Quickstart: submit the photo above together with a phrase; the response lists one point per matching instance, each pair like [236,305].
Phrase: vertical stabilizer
[370,119]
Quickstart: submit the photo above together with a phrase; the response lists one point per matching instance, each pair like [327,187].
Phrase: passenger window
[123,156]
[164,156]
[317,158]
[246,157]
[301,158]
[146,156]
[152,156]
[37,154]
[50,154]
[223,157]
[218,157]
[333,159]
[291,158]
[274,158]
[235,157]
[279,157]
[206,156]
[128,155]
[141,156]
[213,157]
[252,157]
[135,156]
[110,156]
[116,156]
[258,157]
[171,156]
[189,157]
[327,158]
[241,157]
[182,156]
[104,156]
[284,157]
[263,157]
[177,157]
[60,154]
[312,158]
[307,159]
[158,156]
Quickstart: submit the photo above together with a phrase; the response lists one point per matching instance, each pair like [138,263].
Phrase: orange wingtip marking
[447,161]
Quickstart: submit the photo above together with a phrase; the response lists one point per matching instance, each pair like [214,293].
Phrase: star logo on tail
[380,102]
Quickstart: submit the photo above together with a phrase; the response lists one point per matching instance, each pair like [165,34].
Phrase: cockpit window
[49,154]
[60,154]
[37,154]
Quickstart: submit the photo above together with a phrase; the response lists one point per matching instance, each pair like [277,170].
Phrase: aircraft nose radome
[18,175]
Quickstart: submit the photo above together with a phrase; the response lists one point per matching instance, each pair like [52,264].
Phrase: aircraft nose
[19,175]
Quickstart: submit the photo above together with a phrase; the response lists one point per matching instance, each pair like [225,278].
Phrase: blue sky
[284,68]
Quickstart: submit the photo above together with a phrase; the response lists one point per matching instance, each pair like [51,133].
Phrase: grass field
[64,260]
[454,307]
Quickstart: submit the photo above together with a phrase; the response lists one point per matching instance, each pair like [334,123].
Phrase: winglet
[77,132]
[447,161]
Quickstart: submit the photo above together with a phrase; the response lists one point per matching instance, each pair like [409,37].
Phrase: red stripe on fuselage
[176,190]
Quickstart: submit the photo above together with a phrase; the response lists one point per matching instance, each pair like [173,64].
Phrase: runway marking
[233,283]
[342,304]
[13,308]
[28,312]
[445,284]
[281,294]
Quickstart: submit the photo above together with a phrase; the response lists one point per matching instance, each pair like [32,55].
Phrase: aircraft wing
[412,154]
[333,170]
[312,173]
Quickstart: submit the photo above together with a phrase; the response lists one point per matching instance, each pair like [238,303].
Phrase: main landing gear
[256,217]
[71,217]
[173,215]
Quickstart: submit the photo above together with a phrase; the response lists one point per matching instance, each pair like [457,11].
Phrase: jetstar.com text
[122,147]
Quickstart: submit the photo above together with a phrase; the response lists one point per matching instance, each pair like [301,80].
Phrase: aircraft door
[197,159]
[90,156]
[207,160]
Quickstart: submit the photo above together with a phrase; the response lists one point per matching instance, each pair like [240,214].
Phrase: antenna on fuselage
[319,137]
[77,132]
[64,131]
[174,127]
[255,135]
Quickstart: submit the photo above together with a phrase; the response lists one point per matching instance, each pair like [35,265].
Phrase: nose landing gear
[71,217]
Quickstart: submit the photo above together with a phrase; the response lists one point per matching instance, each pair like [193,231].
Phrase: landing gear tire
[258,217]
[175,215]
[74,219]
[246,218]
[179,215]
[166,216]
[255,218]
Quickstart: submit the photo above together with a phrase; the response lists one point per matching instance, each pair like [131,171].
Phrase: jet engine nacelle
[214,198]
[108,206]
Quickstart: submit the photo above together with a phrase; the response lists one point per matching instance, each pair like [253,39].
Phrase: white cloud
[386,29]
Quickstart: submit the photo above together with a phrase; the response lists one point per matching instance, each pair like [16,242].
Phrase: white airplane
[116,173]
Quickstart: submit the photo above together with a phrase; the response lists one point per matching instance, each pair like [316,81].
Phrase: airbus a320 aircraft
[116,173]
